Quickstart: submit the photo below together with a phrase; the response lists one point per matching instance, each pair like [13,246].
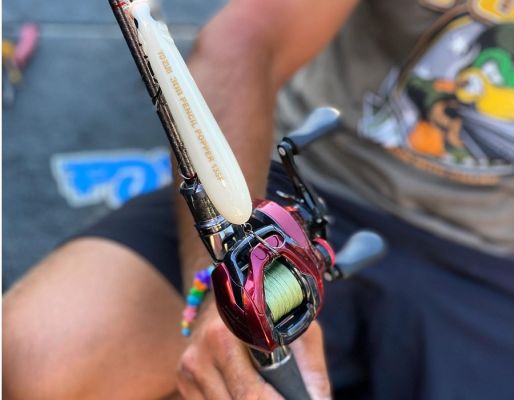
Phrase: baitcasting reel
[269,286]
[280,258]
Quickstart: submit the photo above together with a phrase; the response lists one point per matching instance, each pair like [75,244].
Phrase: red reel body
[238,282]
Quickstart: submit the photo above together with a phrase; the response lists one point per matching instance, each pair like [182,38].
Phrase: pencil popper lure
[209,153]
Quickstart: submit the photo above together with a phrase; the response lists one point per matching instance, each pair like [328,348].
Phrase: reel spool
[282,291]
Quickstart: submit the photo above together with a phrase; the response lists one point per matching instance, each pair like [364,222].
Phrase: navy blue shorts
[432,320]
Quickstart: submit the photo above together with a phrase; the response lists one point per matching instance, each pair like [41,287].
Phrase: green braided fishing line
[282,290]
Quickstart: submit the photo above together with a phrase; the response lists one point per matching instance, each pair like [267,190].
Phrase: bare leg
[92,321]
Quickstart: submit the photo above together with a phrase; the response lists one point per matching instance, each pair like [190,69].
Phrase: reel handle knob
[320,122]
[362,249]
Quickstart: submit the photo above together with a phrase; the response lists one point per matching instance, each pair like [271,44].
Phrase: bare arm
[242,58]
[240,61]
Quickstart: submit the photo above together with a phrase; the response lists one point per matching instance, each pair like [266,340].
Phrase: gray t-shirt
[426,88]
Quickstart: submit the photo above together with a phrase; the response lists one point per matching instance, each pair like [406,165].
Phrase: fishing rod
[269,259]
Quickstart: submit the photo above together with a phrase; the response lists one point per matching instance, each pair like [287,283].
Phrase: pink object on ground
[25,47]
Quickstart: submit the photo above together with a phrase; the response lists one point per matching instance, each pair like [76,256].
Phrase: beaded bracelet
[201,285]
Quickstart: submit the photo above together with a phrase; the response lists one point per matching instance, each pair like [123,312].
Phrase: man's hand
[216,365]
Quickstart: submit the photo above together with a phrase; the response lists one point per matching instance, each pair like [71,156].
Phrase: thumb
[310,357]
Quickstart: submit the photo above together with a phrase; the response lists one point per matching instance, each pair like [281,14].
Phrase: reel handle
[322,121]
[281,371]
[362,249]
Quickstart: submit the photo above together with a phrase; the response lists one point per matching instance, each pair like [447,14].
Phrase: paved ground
[81,92]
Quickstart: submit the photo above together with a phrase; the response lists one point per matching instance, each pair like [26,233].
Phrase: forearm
[233,71]
[242,57]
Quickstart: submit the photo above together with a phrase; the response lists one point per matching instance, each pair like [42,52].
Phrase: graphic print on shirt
[450,109]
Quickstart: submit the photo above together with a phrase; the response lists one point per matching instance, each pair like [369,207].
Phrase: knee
[75,324]
[34,366]
[17,353]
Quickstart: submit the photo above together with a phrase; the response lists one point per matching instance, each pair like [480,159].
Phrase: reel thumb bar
[208,150]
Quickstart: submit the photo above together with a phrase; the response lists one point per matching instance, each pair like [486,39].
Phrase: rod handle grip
[286,379]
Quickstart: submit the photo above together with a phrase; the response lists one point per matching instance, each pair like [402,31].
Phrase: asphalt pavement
[80,118]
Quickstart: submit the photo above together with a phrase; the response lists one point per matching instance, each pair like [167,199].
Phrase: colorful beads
[198,285]
[201,284]
[197,292]
[189,313]
[194,300]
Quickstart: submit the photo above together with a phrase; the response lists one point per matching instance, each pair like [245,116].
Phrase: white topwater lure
[208,150]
